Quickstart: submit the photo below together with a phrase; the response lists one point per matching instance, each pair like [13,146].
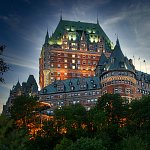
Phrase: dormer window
[72,88]
[122,65]
[70,83]
[44,91]
[94,85]
[92,81]
[112,60]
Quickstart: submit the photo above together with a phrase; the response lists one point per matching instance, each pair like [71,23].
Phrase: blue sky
[23,25]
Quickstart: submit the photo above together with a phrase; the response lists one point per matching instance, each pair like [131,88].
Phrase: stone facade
[73,50]
[29,88]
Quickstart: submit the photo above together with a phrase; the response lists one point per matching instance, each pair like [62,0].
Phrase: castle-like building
[29,88]
[79,63]
[73,50]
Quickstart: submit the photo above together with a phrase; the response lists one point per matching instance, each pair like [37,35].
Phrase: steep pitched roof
[47,38]
[75,82]
[102,60]
[17,86]
[117,60]
[65,25]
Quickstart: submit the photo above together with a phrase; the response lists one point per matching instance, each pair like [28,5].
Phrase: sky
[23,26]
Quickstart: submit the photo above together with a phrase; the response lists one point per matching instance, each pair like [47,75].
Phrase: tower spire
[97,18]
[47,37]
[61,14]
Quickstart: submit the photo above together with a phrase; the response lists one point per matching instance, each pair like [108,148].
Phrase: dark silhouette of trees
[112,124]
[4,67]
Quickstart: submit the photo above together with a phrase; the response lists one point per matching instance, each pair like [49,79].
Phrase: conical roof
[18,86]
[117,60]
[47,38]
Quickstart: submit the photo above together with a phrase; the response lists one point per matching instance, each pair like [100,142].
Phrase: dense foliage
[4,67]
[112,124]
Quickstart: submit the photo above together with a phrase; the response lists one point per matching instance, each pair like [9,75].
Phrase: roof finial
[61,14]
[117,41]
[97,18]
[47,37]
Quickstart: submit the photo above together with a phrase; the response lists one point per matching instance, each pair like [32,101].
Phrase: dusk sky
[23,26]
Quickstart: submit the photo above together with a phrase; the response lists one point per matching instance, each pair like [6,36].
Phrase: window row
[118,82]
[116,73]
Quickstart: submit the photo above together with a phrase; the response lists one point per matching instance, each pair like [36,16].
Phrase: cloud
[6,86]
[113,20]
[22,62]
[11,19]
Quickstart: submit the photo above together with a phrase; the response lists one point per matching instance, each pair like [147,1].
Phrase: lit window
[73,61]
[52,65]
[73,44]
[74,49]
[65,66]
[59,54]
[73,56]
[65,74]
[73,67]
[65,60]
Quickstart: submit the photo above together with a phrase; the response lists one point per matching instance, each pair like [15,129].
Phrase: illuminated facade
[72,51]
[115,74]
[78,64]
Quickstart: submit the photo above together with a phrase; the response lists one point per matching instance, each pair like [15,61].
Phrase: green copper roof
[117,60]
[102,59]
[90,29]
[92,83]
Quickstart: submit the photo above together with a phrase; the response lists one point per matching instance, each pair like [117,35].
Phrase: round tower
[117,74]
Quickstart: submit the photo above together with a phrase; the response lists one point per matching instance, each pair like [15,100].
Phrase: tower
[73,50]
[117,74]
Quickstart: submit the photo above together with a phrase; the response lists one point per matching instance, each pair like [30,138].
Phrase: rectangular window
[65,66]
[52,65]
[58,65]
[73,67]
[65,60]
[73,56]
[73,61]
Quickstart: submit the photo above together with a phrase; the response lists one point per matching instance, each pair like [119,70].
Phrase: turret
[46,38]
[117,75]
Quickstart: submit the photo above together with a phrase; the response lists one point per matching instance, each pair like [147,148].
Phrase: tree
[3,66]
[87,144]
[114,107]
[133,143]
[139,118]
[70,119]
[23,108]
[10,137]
[64,144]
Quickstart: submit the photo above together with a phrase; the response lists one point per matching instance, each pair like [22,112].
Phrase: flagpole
[145,66]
